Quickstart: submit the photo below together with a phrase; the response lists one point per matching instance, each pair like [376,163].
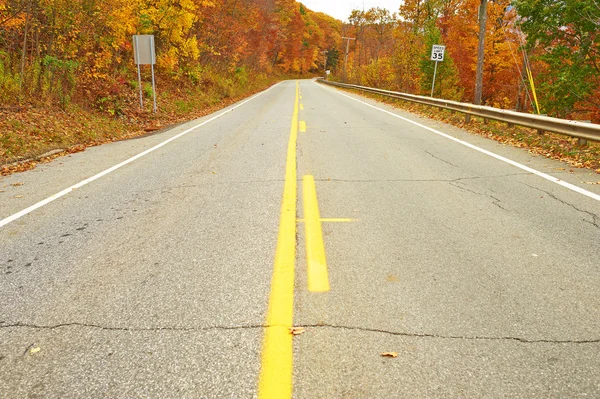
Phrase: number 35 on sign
[437,52]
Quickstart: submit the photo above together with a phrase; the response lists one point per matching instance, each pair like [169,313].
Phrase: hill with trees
[67,74]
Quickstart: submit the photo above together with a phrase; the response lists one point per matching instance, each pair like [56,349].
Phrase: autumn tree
[460,29]
[331,40]
[381,22]
[409,49]
[564,34]
[59,50]
[446,82]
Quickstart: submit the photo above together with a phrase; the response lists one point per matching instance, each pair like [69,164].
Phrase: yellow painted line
[302,126]
[301,107]
[275,379]
[318,279]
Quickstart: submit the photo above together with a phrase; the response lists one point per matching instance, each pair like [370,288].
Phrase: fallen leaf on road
[17,184]
[18,196]
[35,349]
[214,173]
[390,354]
[297,330]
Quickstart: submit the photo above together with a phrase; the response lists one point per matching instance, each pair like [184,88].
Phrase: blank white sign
[143,49]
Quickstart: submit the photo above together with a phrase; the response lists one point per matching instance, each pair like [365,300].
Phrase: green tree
[333,56]
[564,35]
[447,82]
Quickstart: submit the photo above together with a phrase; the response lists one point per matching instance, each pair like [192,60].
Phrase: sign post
[437,55]
[325,52]
[144,54]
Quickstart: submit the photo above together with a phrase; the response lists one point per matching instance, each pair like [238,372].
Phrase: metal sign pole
[153,55]
[140,85]
[434,73]
[139,73]
[153,87]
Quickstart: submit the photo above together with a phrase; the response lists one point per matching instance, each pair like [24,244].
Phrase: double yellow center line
[275,380]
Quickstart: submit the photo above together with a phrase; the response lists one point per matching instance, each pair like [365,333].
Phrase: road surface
[174,265]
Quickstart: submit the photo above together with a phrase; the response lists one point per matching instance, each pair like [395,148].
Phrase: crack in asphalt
[320,326]
[454,337]
[495,200]
[440,159]
[167,189]
[595,218]
[421,180]
[129,329]
[229,182]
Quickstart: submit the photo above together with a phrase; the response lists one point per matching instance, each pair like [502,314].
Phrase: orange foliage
[75,49]
[392,51]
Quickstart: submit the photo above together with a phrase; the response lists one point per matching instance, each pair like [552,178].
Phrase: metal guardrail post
[541,131]
[583,142]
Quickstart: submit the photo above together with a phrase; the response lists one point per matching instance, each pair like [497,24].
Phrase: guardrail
[581,130]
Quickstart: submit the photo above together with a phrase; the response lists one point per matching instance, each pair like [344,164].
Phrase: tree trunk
[24,51]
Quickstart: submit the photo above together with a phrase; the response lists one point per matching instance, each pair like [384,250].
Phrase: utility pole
[325,53]
[480,52]
[346,57]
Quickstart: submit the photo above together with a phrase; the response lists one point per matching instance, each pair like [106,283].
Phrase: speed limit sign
[437,55]
[437,52]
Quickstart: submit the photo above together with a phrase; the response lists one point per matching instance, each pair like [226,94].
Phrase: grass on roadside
[30,131]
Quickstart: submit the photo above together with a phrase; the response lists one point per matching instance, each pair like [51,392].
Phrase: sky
[340,9]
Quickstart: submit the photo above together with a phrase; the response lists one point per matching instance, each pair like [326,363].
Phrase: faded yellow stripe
[275,380]
[302,126]
[318,279]
[301,107]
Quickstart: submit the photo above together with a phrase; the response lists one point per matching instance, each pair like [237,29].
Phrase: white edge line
[82,183]
[474,147]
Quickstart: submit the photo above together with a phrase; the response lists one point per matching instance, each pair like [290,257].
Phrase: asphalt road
[163,278]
